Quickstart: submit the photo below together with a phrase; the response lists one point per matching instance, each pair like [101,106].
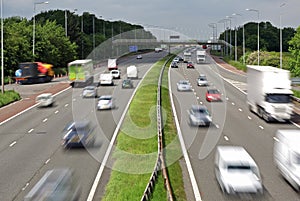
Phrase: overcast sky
[190,17]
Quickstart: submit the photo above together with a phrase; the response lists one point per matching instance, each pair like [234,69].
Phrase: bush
[8,97]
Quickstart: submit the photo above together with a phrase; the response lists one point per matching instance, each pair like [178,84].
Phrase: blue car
[78,134]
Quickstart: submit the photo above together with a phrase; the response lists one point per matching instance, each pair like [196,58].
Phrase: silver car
[202,80]
[89,91]
[184,85]
[105,102]
[199,116]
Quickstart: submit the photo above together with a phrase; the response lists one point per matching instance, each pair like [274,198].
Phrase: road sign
[133,48]
[174,37]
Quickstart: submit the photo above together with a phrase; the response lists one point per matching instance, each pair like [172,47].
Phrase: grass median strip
[135,153]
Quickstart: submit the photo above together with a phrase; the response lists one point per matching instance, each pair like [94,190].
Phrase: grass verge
[8,97]
[172,150]
[296,93]
[136,145]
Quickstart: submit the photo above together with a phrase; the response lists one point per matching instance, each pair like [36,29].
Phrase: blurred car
[213,95]
[127,83]
[190,65]
[78,134]
[202,80]
[89,92]
[176,59]
[183,85]
[174,64]
[105,102]
[139,56]
[57,184]
[116,74]
[199,116]
[236,171]
[45,99]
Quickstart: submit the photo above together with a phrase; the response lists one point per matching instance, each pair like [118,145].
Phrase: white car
[236,171]
[202,80]
[45,99]
[89,92]
[184,85]
[105,102]
[116,74]
[139,56]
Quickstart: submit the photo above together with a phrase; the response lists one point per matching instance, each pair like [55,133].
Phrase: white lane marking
[227,98]
[27,184]
[13,143]
[226,138]
[276,139]
[198,97]
[56,112]
[240,110]
[233,103]
[201,102]
[30,130]
[249,117]
[47,161]
[74,99]
[261,127]
[217,126]
[66,105]
[45,120]
[183,147]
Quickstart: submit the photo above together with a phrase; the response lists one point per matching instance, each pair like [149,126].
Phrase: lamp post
[224,38]
[235,39]
[93,37]
[33,31]
[249,9]
[2,59]
[281,35]
[230,49]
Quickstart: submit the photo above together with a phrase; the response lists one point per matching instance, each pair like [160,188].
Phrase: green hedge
[8,97]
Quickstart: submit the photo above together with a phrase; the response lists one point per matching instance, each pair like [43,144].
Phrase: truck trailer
[81,73]
[200,56]
[34,72]
[112,64]
[269,93]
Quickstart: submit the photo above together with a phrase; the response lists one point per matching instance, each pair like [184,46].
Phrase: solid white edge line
[103,164]
[183,148]
[10,118]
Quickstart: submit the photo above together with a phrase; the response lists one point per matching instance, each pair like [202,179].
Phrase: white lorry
[187,56]
[112,64]
[269,93]
[200,56]
[132,72]
[106,78]
[287,155]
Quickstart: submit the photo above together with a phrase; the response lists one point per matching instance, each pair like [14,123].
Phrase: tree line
[269,38]
[53,42]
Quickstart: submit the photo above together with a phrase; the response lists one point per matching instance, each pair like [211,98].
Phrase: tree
[294,63]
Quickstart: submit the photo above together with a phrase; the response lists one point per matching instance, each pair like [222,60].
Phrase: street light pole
[66,23]
[281,35]
[248,9]
[93,37]
[224,21]
[33,31]
[235,40]
[2,54]
[230,49]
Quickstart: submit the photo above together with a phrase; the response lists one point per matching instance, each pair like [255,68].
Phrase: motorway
[233,124]
[31,143]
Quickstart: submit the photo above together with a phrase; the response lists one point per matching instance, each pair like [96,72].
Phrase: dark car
[127,83]
[199,116]
[78,134]
[174,64]
[190,65]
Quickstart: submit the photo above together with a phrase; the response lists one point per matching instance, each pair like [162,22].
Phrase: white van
[45,99]
[236,171]
[132,72]
[287,155]
[106,79]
